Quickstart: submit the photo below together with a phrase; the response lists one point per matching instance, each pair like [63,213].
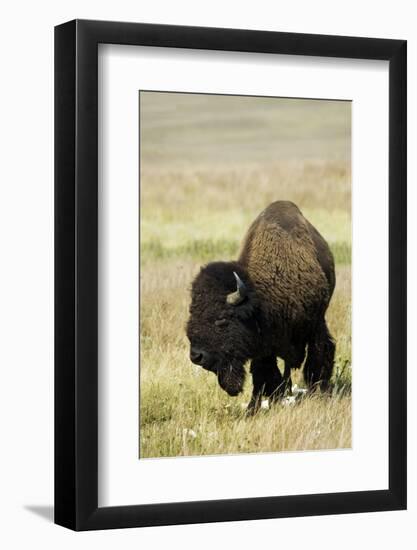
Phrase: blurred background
[209,165]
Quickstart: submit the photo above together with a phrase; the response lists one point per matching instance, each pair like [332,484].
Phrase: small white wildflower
[290,400]
[265,404]
[190,433]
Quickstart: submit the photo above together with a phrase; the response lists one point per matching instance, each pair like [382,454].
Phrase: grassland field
[208,166]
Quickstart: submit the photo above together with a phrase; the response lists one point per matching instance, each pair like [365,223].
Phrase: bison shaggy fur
[269,304]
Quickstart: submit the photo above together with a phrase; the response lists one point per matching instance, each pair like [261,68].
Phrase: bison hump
[284,258]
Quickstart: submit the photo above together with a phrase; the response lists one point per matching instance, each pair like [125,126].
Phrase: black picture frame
[76,272]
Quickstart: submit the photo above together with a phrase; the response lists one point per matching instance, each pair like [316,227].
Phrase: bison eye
[220,322]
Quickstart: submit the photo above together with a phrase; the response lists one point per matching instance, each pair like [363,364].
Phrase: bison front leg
[293,360]
[267,381]
[287,377]
[320,358]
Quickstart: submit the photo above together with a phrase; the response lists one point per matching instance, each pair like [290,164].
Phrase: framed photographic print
[230,252]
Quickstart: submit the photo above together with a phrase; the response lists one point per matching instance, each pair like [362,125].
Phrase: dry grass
[315,423]
[198,212]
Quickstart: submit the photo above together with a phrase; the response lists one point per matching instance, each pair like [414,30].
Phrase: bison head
[223,327]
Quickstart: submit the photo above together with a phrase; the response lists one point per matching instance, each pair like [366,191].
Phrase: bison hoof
[256,404]
[253,407]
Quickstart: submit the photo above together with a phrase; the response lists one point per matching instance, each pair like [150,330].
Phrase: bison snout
[200,357]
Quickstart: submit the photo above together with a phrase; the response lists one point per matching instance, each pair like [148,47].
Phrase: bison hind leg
[318,368]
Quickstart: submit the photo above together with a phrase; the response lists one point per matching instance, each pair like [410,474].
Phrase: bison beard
[231,378]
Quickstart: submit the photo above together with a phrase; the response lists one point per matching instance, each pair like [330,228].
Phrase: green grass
[207,250]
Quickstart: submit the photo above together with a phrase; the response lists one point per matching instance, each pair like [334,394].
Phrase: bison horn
[240,293]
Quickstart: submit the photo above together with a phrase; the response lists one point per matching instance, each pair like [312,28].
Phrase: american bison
[269,303]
